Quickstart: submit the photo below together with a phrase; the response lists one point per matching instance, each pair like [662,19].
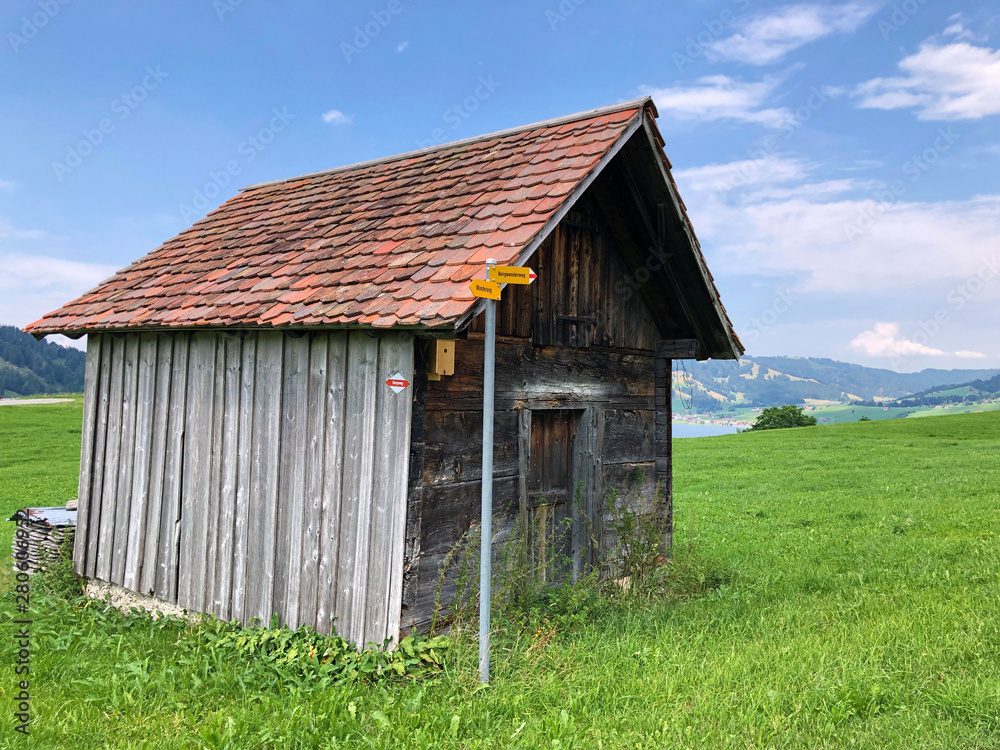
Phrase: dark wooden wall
[577,339]
[583,295]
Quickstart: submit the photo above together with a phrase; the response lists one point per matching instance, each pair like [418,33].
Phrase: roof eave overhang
[728,345]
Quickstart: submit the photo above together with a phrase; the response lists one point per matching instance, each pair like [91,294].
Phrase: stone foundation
[123,599]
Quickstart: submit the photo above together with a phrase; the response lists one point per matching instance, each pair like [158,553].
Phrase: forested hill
[977,391]
[29,367]
[772,381]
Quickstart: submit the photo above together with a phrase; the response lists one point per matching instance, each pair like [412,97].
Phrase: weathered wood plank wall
[585,294]
[250,474]
[579,339]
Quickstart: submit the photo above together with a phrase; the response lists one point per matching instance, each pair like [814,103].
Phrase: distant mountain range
[29,367]
[722,385]
[976,391]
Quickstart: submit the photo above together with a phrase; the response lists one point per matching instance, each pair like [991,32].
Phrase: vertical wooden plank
[214,501]
[126,456]
[359,441]
[142,456]
[229,459]
[173,474]
[91,396]
[524,455]
[390,475]
[109,493]
[522,312]
[244,476]
[574,251]
[505,313]
[610,271]
[558,329]
[597,250]
[589,297]
[599,499]
[663,444]
[415,490]
[157,463]
[100,455]
[315,470]
[584,507]
[291,482]
[263,497]
[329,561]
[541,290]
[523,466]
[196,487]
[576,500]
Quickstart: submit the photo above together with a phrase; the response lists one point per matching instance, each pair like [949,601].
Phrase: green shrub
[303,655]
[781,417]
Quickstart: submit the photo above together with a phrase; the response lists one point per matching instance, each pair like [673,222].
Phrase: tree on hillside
[780,417]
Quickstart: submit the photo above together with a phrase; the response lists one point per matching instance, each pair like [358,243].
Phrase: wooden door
[550,494]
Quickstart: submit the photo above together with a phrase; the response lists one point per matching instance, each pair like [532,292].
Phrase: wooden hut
[284,402]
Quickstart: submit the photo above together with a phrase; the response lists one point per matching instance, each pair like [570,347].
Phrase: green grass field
[848,413]
[860,611]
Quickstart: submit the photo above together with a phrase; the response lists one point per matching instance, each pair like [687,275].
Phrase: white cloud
[957,81]
[33,285]
[757,180]
[6,185]
[958,29]
[722,98]
[42,272]
[336,117]
[835,92]
[884,341]
[724,177]
[767,38]
[773,217]
[9,232]
[401,46]
[824,189]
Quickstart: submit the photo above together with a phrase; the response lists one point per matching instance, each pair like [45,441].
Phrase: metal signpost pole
[486,527]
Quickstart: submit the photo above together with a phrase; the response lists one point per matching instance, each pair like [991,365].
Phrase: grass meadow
[841,591]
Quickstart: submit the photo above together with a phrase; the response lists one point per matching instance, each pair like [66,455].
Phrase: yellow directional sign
[512,274]
[485,289]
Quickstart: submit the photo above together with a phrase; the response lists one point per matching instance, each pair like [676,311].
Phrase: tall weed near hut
[524,593]
[533,587]
[637,551]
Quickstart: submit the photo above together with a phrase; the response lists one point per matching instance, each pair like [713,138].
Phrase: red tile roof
[387,243]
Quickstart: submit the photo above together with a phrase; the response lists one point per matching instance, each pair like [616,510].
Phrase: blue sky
[838,159]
